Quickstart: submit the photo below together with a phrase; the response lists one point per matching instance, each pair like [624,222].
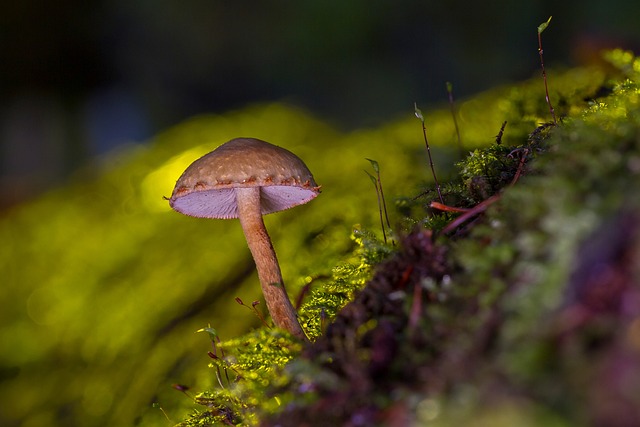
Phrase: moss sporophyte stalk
[541,28]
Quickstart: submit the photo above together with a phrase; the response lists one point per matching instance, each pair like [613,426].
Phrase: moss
[255,371]
[516,319]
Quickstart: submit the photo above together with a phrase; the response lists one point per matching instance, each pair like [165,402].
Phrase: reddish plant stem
[523,159]
[477,209]
[447,208]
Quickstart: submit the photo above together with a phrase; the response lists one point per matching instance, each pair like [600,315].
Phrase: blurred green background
[80,78]
[105,103]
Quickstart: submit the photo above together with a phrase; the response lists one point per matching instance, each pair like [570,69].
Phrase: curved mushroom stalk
[275,295]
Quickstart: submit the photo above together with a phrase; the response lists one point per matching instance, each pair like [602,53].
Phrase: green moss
[250,368]
[448,329]
[246,368]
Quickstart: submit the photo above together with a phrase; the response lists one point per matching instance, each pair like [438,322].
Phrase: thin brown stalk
[541,28]
[375,183]
[426,142]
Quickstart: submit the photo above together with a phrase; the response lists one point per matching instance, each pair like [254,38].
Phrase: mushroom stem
[275,295]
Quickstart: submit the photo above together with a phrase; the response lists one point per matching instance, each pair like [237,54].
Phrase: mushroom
[246,178]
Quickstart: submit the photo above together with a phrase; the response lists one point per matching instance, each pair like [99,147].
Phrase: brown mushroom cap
[205,189]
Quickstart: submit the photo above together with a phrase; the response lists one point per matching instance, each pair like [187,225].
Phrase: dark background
[80,78]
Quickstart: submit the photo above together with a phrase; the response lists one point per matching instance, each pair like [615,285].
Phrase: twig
[447,208]
[477,209]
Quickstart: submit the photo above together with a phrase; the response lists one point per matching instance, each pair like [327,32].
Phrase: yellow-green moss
[508,275]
